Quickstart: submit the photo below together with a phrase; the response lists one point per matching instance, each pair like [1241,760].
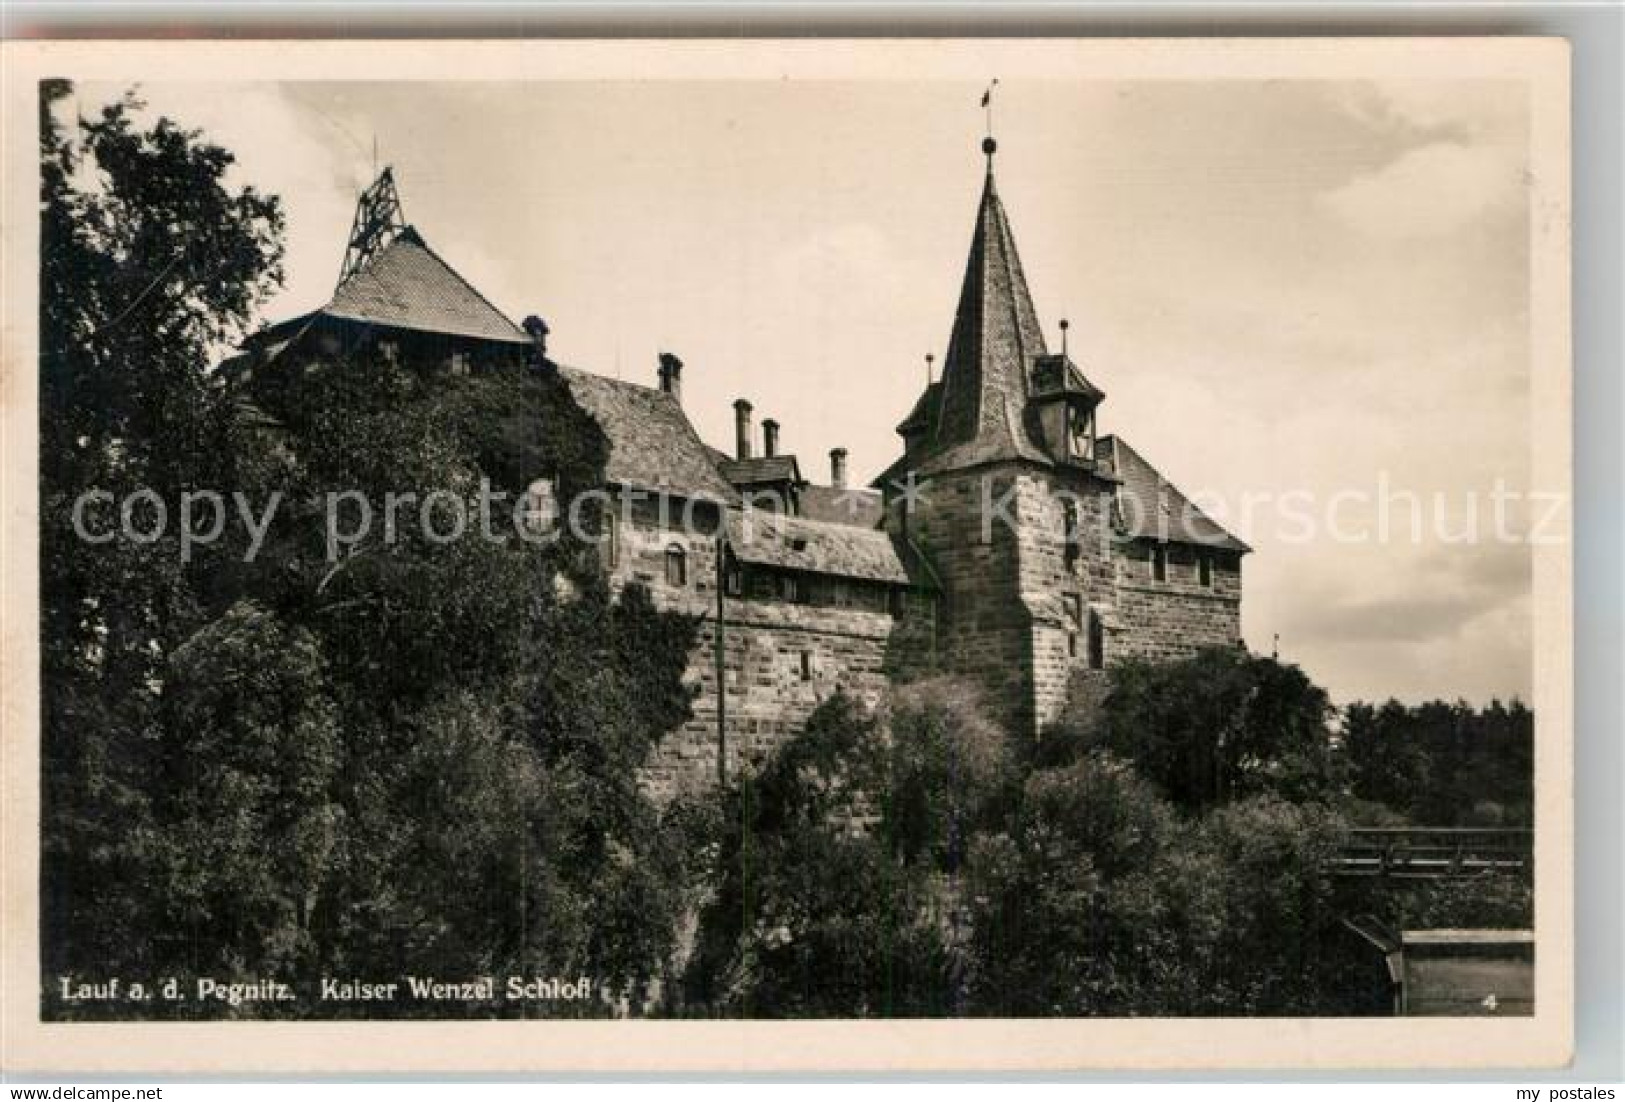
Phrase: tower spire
[994,343]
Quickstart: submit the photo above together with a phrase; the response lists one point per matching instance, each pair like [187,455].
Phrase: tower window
[1082,427]
[733,580]
[1204,569]
[806,665]
[676,566]
[1159,564]
[1097,642]
[1072,608]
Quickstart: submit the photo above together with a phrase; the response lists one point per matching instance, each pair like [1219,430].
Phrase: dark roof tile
[854,506]
[817,547]
[1153,508]
[407,286]
[761,468]
[651,443]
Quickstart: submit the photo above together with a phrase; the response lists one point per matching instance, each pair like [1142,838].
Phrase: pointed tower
[1000,488]
[995,341]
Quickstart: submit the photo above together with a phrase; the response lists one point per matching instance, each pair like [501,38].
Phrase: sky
[1307,292]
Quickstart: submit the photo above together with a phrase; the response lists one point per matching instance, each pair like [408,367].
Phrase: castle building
[1010,544]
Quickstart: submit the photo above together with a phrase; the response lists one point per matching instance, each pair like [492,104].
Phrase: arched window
[1097,642]
[676,566]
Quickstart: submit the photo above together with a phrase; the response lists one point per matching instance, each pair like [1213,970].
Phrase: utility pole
[721,672]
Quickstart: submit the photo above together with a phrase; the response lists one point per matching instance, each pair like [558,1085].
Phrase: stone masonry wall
[780,659]
[1065,583]
[1175,618]
[984,630]
[998,541]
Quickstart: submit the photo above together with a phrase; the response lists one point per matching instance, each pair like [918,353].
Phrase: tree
[1444,764]
[419,755]
[837,890]
[149,262]
[1221,726]
[245,798]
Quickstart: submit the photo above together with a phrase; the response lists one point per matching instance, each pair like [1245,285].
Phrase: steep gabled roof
[1153,508]
[652,445]
[408,286]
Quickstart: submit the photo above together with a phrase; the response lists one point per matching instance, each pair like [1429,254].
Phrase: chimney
[671,376]
[837,468]
[537,328]
[770,437]
[741,428]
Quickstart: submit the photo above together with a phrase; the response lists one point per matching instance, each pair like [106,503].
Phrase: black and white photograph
[1006,540]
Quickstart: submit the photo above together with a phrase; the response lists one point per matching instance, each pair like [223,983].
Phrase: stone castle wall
[984,629]
[780,659]
[1174,618]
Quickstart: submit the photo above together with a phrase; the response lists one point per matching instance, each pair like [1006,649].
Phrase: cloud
[1436,109]
[1430,191]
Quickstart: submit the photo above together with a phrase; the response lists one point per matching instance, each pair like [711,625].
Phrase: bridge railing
[1434,852]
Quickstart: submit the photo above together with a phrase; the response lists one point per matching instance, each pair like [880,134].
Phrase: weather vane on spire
[988,144]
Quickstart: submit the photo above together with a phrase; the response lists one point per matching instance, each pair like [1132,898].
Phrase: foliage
[417,757]
[838,860]
[1221,726]
[149,261]
[1444,764]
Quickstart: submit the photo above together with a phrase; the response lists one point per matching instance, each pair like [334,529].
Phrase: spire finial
[930,359]
[989,146]
[1065,325]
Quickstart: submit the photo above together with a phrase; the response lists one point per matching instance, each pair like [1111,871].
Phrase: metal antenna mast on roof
[378,221]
